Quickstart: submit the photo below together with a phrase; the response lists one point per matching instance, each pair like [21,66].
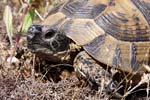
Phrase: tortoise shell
[114,32]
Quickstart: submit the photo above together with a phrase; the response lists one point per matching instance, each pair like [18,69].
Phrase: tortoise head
[47,42]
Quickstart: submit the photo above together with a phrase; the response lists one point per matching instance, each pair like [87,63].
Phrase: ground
[18,77]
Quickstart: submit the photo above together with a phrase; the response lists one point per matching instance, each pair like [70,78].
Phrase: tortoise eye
[49,34]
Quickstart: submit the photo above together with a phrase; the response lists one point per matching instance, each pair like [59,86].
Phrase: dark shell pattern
[114,32]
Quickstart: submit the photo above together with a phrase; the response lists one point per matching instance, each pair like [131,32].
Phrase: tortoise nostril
[31,29]
[35,28]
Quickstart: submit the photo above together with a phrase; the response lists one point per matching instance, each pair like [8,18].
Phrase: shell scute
[83,9]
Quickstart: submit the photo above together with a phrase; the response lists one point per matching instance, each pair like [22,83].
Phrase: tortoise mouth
[43,52]
[37,47]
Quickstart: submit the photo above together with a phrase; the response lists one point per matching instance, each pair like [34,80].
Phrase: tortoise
[115,33]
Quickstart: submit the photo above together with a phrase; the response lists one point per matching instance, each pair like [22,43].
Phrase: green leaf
[7,18]
[28,20]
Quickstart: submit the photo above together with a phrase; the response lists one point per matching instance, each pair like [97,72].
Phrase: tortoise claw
[88,79]
[113,90]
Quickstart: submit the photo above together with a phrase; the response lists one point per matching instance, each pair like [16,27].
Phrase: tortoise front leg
[90,71]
